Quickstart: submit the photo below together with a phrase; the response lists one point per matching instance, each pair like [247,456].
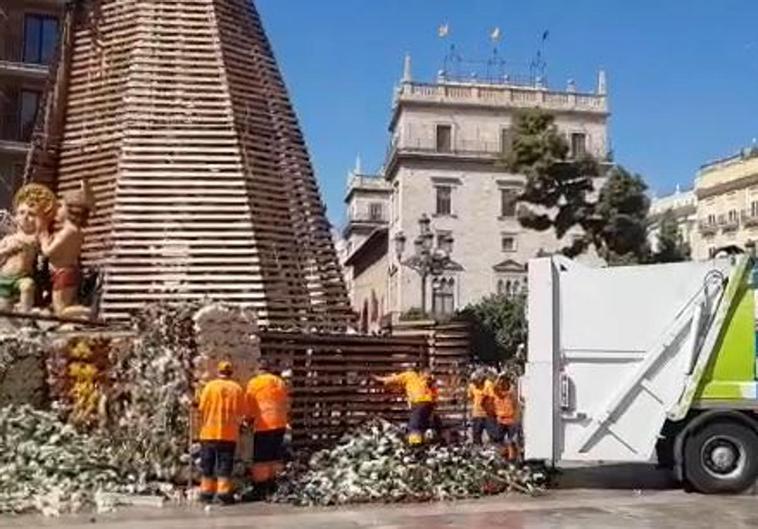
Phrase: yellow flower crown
[37,196]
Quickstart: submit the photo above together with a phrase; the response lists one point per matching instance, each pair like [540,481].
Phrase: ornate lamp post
[426,259]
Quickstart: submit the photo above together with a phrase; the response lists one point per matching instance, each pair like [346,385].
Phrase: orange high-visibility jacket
[505,405]
[222,409]
[418,388]
[480,398]
[268,401]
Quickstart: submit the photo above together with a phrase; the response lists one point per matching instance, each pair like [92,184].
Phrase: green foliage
[557,194]
[498,326]
[671,246]
[621,209]
[553,182]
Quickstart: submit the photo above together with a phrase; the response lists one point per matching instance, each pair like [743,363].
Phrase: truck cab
[648,364]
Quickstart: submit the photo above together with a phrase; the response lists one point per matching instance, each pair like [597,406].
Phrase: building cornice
[366,191]
[680,211]
[496,97]
[378,236]
[468,161]
[726,187]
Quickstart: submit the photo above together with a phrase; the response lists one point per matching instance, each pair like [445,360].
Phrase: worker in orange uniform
[420,392]
[505,407]
[482,413]
[222,409]
[269,401]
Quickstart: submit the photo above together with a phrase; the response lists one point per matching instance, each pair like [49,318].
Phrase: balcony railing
[507,95]
[368,218]
[469,148]
[11,130]
[708,228]
[12,60]
[749,218]
[729,224]
[368,182]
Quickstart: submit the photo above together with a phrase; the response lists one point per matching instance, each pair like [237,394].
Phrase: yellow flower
[81,351]
[75,369]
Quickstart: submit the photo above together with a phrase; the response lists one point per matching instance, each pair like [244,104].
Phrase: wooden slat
[175,111]
[333,390]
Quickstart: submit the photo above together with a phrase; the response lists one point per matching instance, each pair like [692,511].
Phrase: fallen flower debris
[374,464]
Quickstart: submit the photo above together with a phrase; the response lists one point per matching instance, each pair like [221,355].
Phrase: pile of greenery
[375,464]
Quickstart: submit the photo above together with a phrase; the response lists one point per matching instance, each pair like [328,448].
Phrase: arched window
[511,285]
[443,296]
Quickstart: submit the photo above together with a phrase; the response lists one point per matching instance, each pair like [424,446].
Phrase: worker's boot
[415,439]
[257,492]
[249,493]
[207,490]
[269,489]
[225,493]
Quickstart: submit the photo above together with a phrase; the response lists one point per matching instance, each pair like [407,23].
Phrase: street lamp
[426,259]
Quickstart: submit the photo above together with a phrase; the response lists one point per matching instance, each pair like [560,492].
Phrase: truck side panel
[731,374]
[612,354]
[540,389]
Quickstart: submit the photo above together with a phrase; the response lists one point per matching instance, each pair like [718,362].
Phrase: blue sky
[683,75]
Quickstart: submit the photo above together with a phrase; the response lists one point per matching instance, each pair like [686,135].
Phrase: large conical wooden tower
[176,113]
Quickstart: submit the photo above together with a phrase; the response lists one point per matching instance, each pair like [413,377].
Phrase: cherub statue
[63,247]
[34,207]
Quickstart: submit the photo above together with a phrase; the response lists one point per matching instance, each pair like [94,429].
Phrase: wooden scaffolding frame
[176,113]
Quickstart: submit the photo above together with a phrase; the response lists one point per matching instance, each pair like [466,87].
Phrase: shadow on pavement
[631,477]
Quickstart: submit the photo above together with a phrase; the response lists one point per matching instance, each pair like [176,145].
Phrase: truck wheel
[722,457]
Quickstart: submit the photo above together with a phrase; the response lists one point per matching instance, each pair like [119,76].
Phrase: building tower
[176,113]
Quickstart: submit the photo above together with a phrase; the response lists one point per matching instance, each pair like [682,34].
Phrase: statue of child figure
[63,247]
[34,207]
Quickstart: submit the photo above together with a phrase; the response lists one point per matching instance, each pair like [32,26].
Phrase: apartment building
[28,42]
[683,205]
[727,203]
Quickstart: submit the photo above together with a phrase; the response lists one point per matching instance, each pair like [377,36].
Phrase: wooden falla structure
[176,115]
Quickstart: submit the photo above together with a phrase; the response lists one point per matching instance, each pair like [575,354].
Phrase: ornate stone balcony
[708,228]
[749,218]
[727,224]
[508,95]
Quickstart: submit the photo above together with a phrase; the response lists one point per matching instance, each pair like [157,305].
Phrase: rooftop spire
[602,83]
[407,74]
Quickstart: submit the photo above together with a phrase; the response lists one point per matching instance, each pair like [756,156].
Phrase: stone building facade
[446,142]
[683,205]
[727,203]
[364,246]
[28,39]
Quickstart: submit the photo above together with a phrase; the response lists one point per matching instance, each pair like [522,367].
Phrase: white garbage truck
[648,364]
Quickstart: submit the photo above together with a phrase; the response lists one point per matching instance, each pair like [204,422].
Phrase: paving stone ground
[613,499]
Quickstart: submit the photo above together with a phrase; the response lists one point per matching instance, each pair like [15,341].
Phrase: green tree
[671,247]
[558,194]
[556,185]
[621,211]
[497,327]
